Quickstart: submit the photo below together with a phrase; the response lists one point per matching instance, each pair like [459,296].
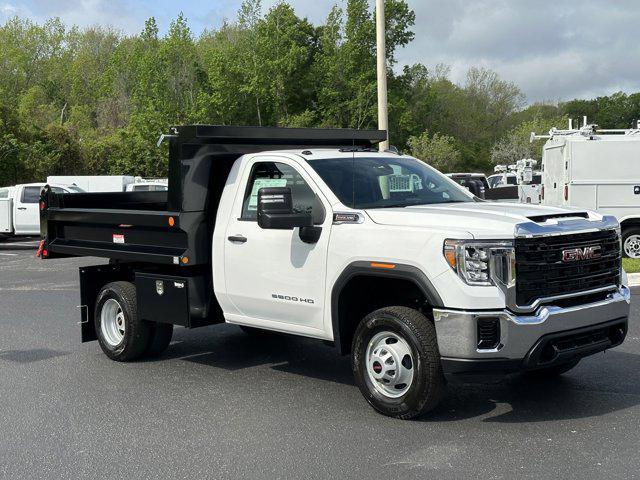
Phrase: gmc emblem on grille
[586,253]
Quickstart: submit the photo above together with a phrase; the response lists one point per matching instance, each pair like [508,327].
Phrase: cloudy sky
[553,50]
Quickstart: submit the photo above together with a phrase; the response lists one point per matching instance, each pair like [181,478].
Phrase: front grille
[542,273]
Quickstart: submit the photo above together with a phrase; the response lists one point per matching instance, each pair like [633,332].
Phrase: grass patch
[631,265]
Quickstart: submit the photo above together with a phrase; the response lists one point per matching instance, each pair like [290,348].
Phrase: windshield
[387,182]
[74,189]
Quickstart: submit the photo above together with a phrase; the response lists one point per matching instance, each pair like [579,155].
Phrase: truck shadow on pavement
[18,243]
[235,350]
[598,386]
[30,355]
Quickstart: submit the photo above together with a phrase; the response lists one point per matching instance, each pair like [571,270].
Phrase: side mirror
[275,210]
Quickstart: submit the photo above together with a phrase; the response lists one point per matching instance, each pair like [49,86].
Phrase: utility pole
[383,116]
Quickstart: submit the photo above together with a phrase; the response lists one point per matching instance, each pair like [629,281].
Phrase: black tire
[136,333]
[626,233]
[159,338]
[428,385]
[551,372]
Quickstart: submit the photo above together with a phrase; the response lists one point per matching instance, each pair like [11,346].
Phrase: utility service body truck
[316,233]
[596,169]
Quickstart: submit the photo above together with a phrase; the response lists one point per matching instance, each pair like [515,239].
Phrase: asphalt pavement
[221,404]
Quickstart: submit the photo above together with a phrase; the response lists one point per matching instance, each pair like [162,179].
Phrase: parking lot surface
[221,404]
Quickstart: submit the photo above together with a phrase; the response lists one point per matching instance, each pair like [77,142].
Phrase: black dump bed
[173,227]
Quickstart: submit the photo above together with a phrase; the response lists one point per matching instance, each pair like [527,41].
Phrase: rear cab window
[30,194]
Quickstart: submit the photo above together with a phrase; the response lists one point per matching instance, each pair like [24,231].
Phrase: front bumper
[595,326]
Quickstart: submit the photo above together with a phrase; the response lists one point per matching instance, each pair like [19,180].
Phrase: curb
[634,279]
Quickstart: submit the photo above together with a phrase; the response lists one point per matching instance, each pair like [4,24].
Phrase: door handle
[22,208]
[237,239]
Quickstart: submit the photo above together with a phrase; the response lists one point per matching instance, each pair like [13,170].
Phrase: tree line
[94,101]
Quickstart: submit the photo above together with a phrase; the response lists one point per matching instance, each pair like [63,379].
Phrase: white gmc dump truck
[316,233]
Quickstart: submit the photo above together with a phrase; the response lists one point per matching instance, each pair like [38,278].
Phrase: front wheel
[396,362]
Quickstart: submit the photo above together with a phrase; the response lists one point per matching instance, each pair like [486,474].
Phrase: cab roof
[311,154]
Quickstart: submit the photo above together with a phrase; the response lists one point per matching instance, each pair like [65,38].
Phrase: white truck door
[27,214]
[553,176]
[273,278]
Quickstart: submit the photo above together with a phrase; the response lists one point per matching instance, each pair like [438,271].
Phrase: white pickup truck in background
[19,212]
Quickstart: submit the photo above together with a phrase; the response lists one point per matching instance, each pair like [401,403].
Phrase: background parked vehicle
[502,179]
[94,183]
[148,186]
[476,183]
[598,169]
[19,211]
[516,183]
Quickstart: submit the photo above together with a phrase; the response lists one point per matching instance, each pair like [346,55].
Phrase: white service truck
[19,212]
[595,169]
[516,183]
[316,233]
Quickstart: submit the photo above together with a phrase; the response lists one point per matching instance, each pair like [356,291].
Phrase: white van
[148,186]
[94,183]
[19,210]
[597,170]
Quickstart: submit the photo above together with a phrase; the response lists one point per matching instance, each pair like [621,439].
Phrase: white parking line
[9,254]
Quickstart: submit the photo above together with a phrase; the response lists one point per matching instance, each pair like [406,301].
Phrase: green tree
[94,100]
[517,144]
[437,150]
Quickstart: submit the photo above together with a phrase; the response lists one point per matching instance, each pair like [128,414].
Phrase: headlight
[481,263]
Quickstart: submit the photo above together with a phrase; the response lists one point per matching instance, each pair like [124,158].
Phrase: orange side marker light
[388,266]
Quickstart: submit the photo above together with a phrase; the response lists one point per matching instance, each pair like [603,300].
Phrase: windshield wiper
[399,205]
[404,205]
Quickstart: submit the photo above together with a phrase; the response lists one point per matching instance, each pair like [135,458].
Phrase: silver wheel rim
[112,324]
[390,365]
[632,246]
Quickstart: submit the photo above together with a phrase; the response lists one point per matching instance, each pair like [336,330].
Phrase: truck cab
[317,233]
